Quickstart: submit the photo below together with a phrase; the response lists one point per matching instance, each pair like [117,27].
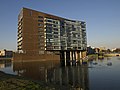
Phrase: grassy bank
[12,82]
[92,56]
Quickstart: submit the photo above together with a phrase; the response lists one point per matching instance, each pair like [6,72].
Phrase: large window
[40,16]
[49,36]
[49,25]
[39,24]
[49,30]
[56,36]
[40,20]
[55,32]
[40,29]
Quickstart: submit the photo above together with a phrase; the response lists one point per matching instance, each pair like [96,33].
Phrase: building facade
[41,34]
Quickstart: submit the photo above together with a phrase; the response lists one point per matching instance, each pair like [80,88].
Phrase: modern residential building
[48,36]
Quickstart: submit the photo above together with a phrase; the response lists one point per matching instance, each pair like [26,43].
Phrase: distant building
[102,49]
[116,50]
[90,50]
[97,50]
[42,36]
[6,53]
[2,52]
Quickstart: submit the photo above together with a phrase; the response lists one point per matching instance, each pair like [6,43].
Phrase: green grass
[11,82]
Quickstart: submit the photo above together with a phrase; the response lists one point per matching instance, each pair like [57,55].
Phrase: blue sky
[102,18]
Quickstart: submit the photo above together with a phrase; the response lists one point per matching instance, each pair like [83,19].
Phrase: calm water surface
[99,74]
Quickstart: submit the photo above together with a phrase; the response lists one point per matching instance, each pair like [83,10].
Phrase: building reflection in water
[50,72]
[5,63]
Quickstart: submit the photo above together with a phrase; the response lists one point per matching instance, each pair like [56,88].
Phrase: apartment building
[41,34]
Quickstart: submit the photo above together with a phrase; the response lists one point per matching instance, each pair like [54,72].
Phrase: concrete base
[41,57]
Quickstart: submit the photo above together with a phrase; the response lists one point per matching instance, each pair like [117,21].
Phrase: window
[40,28]
[74,35]
[49,21]
[55,25]
[55,29]
[78,35]
[30,13]
[49,31]
[49,36]
[40,20]
[39,24]
[56,22]
[56,47]
[49,25]
[40,16]
[48,52]
[74,41]
[55,36]
[41,52]
[41,44]
[56,43]
[55,32]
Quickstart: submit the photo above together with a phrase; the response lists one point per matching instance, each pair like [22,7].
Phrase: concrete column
[65,57]
[72,57]
[80,57]
[68,58]
[80,54]
[74,53]
[62,58]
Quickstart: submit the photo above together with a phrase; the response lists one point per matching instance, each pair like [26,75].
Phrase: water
[99,74]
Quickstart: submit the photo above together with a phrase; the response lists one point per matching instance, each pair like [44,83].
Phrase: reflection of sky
[8,70]
[101,76]
[107,77]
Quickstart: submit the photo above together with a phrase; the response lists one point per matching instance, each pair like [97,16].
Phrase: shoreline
[14,82]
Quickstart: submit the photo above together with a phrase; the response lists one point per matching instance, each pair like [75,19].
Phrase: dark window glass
[49,31]
[49,36]
[55,32]
[39,24]
[40,28]
[49,25]
[40,20]
[74,35]
[55,26]
[55,36]
[49,21]
[55,29]
[40,16]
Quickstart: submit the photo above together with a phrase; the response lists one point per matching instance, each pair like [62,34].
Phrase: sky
[102,19]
